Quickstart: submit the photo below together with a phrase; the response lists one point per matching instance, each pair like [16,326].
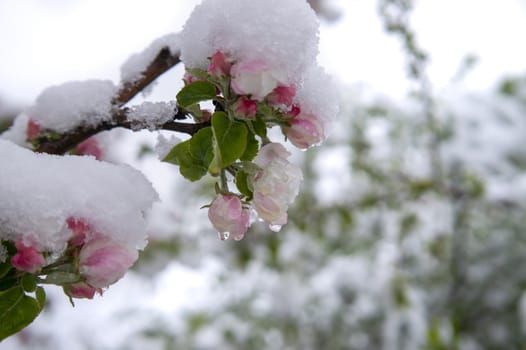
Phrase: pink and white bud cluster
[254,81]
[276,185]
[27,257]
[101,260]
[228,217]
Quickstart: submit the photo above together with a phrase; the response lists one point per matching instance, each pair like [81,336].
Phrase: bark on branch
[161,63]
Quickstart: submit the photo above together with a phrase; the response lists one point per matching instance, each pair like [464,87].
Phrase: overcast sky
[48,42]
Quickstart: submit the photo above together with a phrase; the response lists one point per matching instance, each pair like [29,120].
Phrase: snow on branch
[64,116]
[142,69]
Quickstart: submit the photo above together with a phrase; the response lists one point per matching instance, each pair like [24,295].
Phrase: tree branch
[68,141]
[162,62]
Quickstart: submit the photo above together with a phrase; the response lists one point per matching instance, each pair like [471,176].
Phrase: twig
[161,63]
[69,140]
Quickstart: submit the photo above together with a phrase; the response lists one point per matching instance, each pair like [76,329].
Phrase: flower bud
[254,78]
[305,130]
[27,258]
[245,108]
[282,96]
[103,261]
[81,290]
[90,147]
[32,130]
[228,217]
[219,65]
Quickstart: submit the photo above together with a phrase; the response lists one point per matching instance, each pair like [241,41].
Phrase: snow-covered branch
[121,118]
[163,61]
[164,58]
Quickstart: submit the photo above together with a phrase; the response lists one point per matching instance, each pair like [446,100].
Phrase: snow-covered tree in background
[77,222]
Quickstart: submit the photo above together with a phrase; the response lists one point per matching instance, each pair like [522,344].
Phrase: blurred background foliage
[408,232]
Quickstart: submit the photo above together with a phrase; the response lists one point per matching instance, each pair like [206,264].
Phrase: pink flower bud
[27,258]
[103,261]
[305,130]
[90,147]
[81,290]
[245,108]
[228,217]
[32,130]
[282,96]
[254,78]
[219,65]
[80,229]
[294,111]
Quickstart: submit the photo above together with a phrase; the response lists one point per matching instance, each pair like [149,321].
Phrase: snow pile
[40,192]
[152,114]
[64,107]
[318,94]
[133,68]
[284,34]
[17,132]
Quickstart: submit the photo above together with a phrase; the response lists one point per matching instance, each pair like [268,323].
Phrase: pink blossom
[245,108]
[103,261]
[270,152]
[254,78]
[32,130]
[305,130]
[219,65]
[90,147]
[81,290]
[228,217]
[276,185]
[282,96]
[27,257]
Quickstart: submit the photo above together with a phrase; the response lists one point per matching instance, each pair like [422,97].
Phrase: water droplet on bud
[275,228]
[223,235]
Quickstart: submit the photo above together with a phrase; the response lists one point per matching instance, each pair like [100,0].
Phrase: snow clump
[40,192]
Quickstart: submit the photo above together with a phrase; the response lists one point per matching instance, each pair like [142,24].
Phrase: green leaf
[4,269]
[243,185]
[171,157]
[196,92]
[260,127]
[8,280]
[41,297]
[194,155]
[230,139]
[29,282]
[17,311]
[201,148]
[251,149]
[61,277]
